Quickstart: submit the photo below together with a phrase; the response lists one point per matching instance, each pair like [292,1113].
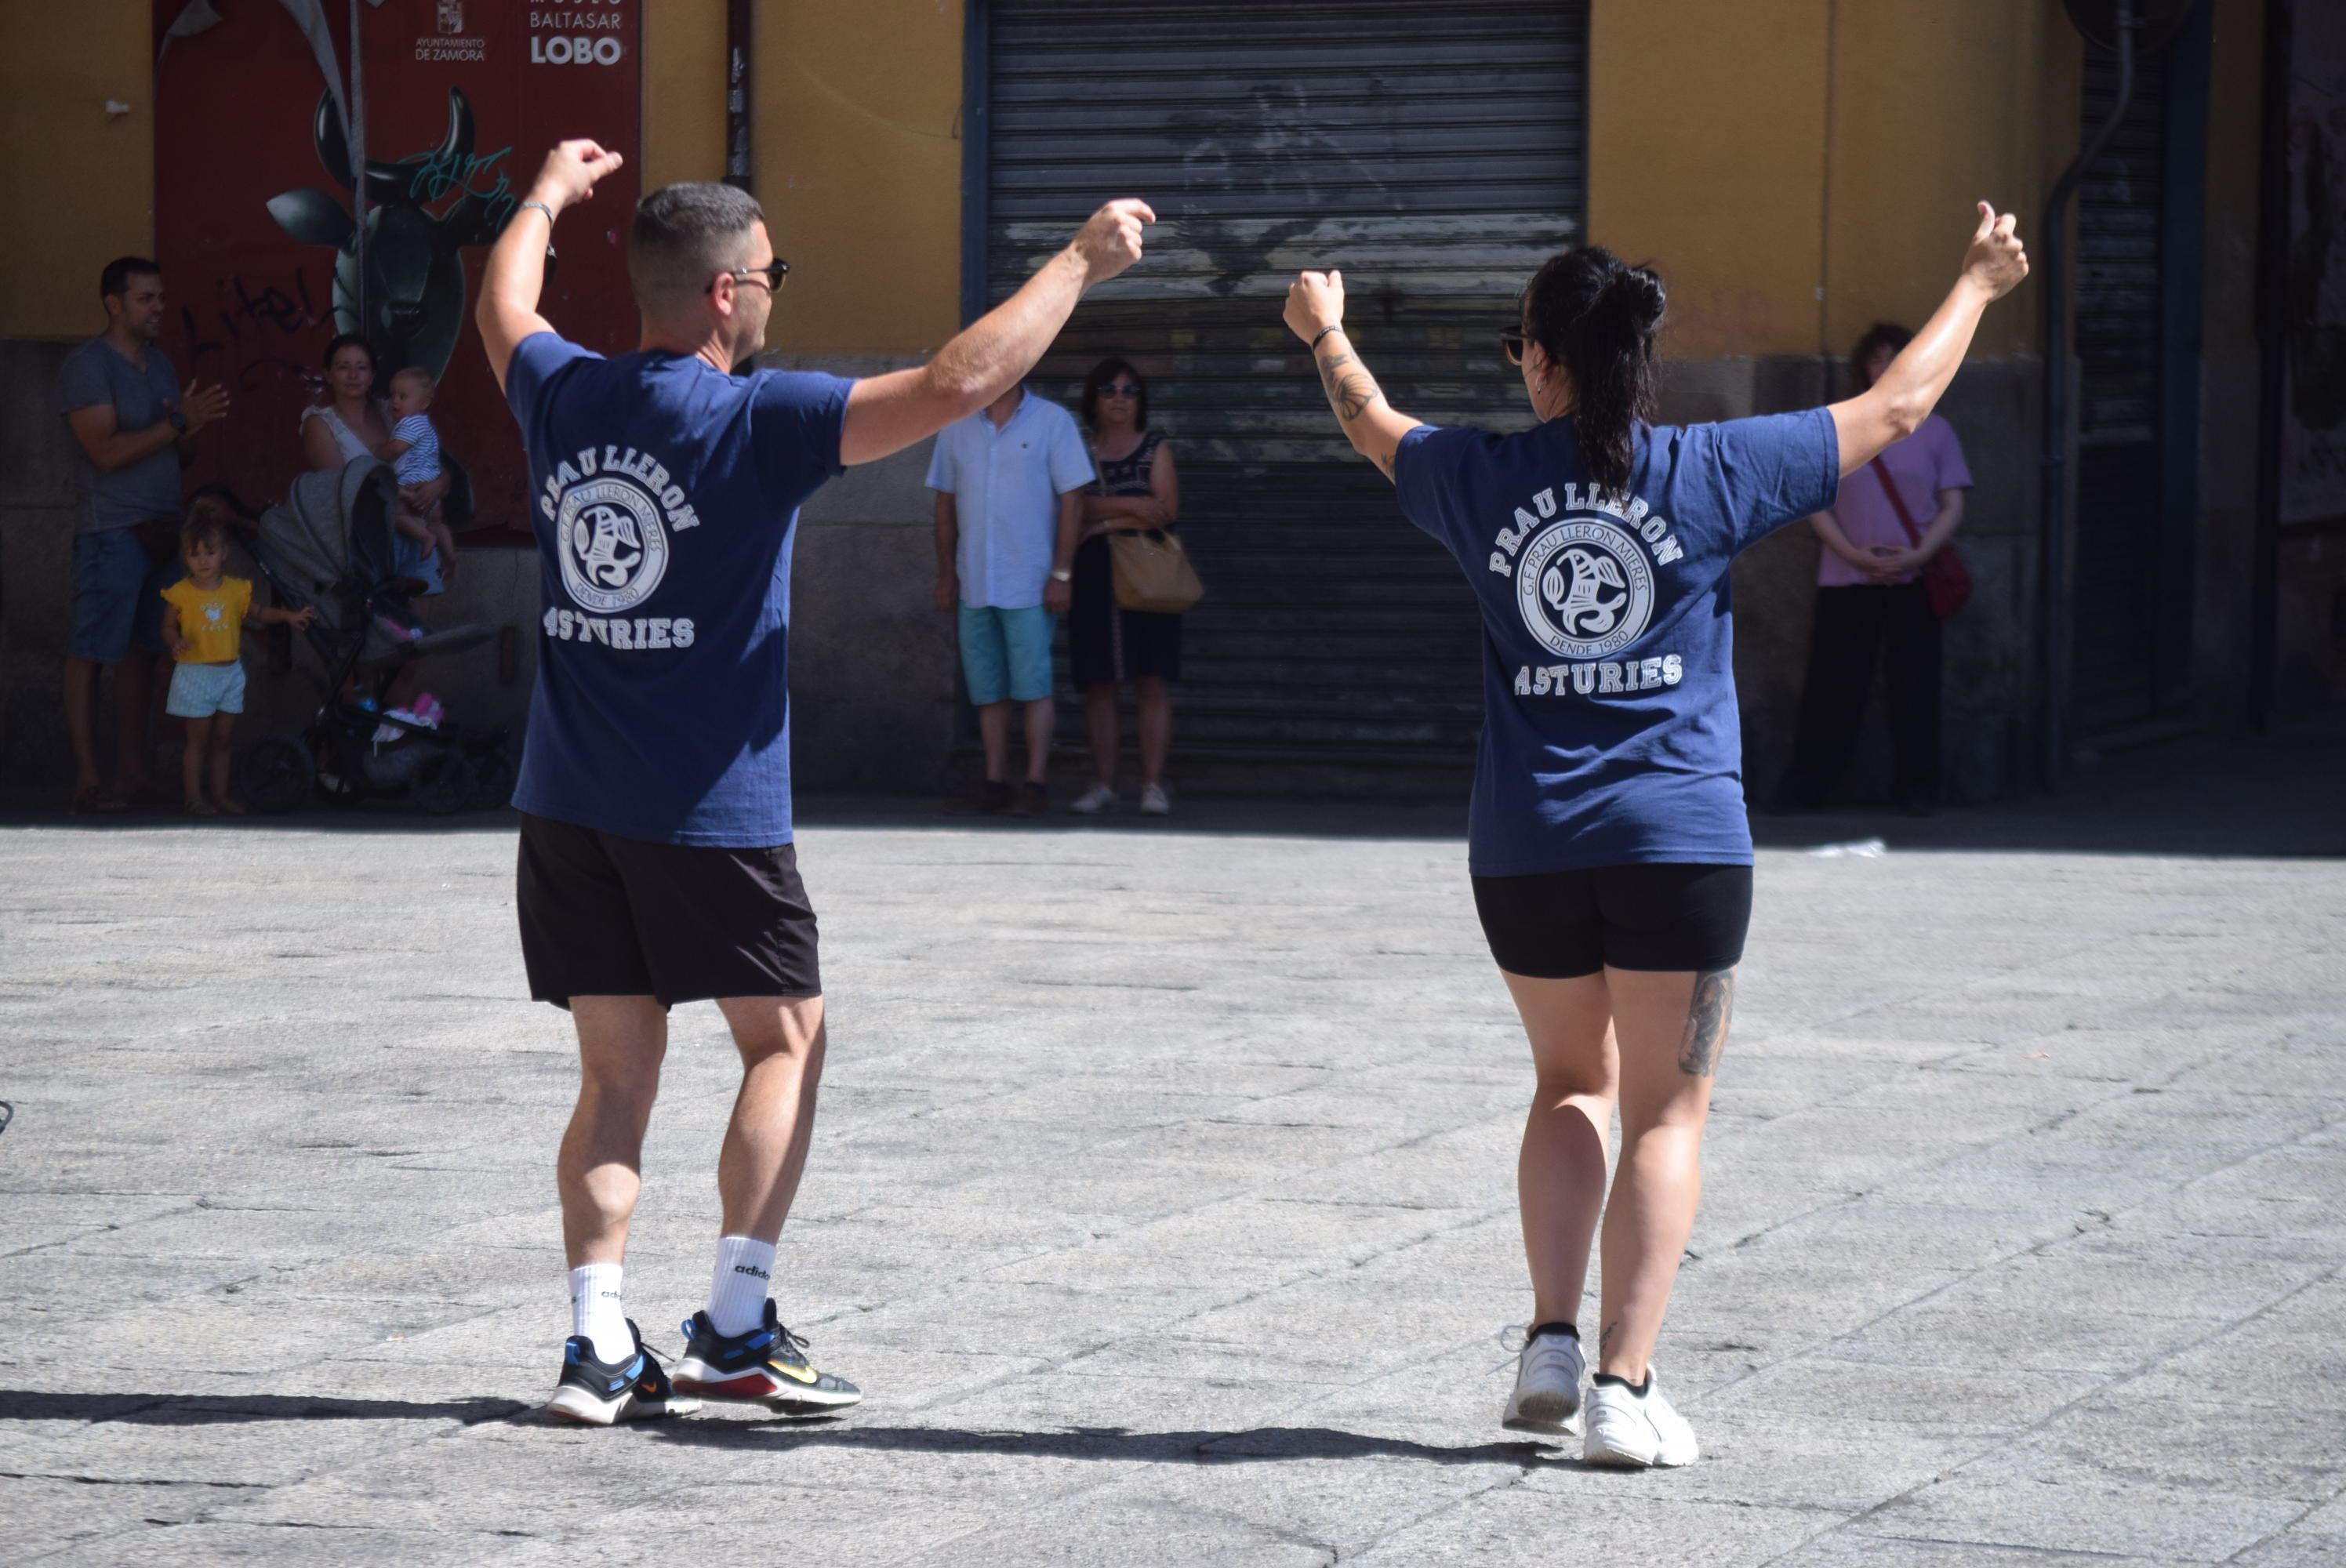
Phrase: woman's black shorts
[606,916]
[1560,925]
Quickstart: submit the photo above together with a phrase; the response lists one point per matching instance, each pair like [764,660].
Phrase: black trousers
[1852,625]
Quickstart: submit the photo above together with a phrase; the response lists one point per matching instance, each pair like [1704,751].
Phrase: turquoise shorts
[1006,655]
[201,690]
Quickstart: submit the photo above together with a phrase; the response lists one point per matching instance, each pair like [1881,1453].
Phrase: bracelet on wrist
[1331,327]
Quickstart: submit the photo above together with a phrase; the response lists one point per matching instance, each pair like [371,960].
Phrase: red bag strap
[1897,502]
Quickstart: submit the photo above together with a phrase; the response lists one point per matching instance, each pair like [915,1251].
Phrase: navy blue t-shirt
[1609,730]
[665,494]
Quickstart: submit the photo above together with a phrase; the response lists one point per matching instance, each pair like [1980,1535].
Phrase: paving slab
[1163,1204]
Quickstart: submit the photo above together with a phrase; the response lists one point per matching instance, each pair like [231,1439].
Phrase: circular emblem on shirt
[614,548]
[1585,588]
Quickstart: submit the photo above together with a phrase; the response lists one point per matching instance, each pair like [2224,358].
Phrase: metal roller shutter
[1437,157]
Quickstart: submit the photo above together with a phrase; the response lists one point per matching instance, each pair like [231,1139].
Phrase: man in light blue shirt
[1010,482]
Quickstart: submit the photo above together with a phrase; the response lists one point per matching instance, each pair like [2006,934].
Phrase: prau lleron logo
[1585,588]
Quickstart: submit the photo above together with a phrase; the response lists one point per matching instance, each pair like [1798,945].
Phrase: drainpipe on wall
[358,143]
[738,81]
[2053,569]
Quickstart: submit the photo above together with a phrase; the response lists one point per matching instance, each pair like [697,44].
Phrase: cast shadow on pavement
[771,1436]
[1252,1444]
[215,1410]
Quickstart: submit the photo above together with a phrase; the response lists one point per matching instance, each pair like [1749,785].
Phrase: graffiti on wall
[259,194]
[403,289]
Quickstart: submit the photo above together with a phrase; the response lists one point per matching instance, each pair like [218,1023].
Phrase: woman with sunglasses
[1610,854]
[1139,490]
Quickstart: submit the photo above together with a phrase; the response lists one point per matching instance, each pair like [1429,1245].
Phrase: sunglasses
[1511,343]
[1118,389]
[773,272]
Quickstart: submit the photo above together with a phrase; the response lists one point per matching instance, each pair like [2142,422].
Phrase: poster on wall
[257,197]
[2313,401]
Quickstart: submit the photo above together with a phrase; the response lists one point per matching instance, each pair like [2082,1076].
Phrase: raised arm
[888,414]
[1315,314]
[1895,406]
[515,278]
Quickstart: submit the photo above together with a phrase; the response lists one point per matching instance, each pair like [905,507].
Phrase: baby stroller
[330,545]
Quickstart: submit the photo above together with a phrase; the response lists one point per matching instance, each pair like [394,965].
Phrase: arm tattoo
[1350,387]
[1706,1026]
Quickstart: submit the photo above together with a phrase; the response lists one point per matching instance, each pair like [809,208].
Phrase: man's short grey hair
[684,235]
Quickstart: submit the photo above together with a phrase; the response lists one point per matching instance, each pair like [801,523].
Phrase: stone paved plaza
[1162,1204]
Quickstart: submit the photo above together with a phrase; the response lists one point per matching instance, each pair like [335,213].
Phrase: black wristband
[1331,327]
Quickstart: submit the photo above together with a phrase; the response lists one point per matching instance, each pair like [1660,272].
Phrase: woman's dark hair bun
[1596,317]
[1640,292]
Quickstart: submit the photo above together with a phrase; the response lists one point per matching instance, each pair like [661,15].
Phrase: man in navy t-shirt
[657,863]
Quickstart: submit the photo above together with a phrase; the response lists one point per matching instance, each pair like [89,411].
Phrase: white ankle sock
[597,1311]
[738,1288]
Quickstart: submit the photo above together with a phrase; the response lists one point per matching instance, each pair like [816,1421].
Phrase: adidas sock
[596,1312]
[738,1288]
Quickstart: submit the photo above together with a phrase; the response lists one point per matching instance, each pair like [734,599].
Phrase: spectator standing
[1010,482]
[133,429]
[1871,600]
[203,621]
[1139,490]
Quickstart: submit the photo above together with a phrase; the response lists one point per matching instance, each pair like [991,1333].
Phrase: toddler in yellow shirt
[203,615]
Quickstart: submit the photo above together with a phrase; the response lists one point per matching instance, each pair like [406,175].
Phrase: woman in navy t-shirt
[1610,853]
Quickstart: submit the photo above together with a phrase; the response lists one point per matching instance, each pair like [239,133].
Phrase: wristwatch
[1063,577]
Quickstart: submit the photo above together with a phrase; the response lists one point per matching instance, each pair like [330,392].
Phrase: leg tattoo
[1706,1016]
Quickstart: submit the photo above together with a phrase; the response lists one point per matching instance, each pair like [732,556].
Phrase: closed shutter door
[2120,211]
[1436,155]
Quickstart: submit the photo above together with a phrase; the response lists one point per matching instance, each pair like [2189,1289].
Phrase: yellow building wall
[1938,105]
[1801,169]
[858,165]
[1705,155]
[684,91]
[77,183]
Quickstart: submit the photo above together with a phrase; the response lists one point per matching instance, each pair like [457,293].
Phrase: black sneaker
[767,1366]
[597,1393]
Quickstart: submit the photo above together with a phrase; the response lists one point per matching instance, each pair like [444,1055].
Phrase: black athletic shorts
[606,916]
[1560,925]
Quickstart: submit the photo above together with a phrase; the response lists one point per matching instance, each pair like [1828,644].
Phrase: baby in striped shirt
[413,454]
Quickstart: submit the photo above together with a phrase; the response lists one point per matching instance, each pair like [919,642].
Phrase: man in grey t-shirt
[133,429]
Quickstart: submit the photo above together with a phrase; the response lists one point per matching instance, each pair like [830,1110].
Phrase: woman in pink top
[1870,597]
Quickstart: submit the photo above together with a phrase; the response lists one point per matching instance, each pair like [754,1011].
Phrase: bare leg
[1042,718]
[993,730]
[81,720]
[1671,1028]
[621,1041]
[222,735]
[782,1041]
[1560,1174]
[1155,698]
[191,761]
[1099,718]
[134,692]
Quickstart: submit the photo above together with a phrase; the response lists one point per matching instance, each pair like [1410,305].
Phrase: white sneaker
[1547,1386]
[1094,800]
[1626,1428]
[1154,803]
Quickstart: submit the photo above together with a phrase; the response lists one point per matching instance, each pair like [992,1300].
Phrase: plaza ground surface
[1162,1202]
